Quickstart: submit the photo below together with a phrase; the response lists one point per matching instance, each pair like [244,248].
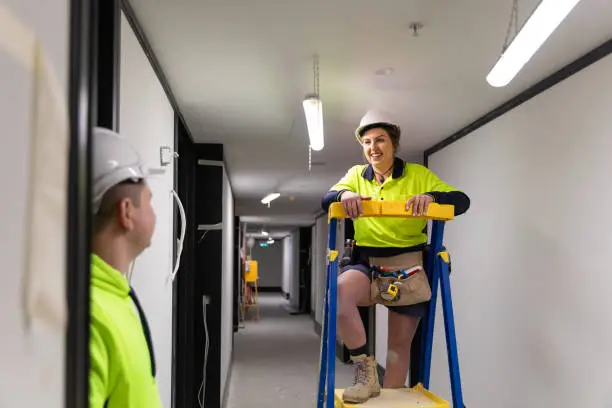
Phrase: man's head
[121,206]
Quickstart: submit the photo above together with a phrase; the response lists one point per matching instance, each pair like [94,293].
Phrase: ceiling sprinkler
[415,27]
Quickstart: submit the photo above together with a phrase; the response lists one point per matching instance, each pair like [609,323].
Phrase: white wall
[227,285]
[291,265]
[270,264]
[147,119]
[287,264]
[32,369]
[380,341]
[319,247]
[294,298]
[531,269]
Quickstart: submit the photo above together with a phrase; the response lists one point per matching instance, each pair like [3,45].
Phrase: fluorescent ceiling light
[269,198]
[544,20]
[264,233]
[313,109]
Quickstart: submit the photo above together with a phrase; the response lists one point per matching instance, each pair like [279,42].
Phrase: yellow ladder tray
[416,397]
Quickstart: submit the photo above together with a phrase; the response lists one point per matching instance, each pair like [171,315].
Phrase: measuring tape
[390,291]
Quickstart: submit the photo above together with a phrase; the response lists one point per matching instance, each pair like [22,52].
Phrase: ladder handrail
[396,209]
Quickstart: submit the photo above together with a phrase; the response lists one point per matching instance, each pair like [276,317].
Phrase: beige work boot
[365,383]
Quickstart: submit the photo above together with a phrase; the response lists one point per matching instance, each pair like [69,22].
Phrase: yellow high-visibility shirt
[122,364]
[407,180]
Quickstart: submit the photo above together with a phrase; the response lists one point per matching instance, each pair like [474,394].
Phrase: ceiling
[240,69]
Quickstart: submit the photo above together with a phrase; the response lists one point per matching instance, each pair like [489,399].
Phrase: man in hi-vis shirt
[122,361]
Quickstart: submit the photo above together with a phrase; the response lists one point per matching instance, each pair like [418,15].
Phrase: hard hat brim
[362,129]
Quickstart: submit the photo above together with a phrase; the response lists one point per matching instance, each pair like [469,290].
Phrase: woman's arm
[346,183]
[459,199]
[332,196]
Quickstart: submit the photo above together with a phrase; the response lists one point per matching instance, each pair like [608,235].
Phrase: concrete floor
[276,361]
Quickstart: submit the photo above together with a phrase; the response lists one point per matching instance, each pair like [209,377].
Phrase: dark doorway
[305,269]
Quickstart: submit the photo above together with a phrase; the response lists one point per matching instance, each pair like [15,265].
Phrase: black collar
[398,170]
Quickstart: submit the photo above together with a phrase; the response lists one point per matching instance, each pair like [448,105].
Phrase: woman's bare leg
[353,290]
[401,329]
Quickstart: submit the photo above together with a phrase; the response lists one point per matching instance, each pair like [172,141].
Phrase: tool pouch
[426,252]
[399,290]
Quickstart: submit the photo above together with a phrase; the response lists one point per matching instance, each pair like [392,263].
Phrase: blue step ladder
[438,273]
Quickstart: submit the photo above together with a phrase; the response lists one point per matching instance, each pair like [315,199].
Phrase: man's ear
[125,213]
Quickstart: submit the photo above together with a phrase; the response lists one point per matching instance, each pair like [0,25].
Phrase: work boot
[365,384]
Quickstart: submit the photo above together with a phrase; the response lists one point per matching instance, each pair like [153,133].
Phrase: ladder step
[416,397]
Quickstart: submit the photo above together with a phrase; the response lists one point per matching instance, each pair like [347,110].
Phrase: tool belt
[399,280]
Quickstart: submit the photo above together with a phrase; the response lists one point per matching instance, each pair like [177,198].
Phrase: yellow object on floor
[416,397]
[250,289]
[251,273]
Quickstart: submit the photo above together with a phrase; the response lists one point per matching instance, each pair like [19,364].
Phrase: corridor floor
[276,361]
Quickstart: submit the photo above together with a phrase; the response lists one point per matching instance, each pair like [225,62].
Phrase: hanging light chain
[316,74]
[513,22]
[309,158]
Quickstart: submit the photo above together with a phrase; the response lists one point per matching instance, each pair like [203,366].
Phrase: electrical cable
[179,251]
[131,271]
[202,390]
[202,237]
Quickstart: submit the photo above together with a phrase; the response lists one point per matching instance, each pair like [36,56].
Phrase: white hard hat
[114,160]
[374,118]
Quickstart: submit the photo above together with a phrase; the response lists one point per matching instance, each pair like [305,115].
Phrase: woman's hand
[420,204]
[352,203]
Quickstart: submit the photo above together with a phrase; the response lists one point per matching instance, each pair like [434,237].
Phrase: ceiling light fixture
[313,109]
[269,198]
[540,25]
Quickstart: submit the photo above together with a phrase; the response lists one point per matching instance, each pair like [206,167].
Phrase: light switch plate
[165,155]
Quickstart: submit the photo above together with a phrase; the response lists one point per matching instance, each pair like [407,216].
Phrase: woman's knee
[353,287]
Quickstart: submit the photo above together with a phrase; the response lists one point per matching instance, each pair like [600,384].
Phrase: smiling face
[378,148]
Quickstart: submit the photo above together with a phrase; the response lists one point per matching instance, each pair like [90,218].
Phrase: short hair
[394,135]
[126,189]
